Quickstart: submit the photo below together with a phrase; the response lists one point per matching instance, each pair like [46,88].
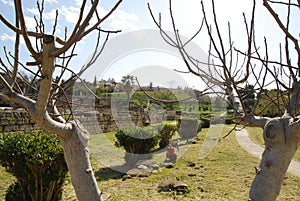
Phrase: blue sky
[133,15]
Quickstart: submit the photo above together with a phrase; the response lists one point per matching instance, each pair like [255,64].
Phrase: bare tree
[44,50]
[235,69]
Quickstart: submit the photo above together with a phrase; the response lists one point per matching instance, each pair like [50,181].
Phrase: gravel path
[256,150]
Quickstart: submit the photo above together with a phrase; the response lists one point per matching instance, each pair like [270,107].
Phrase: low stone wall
[95,122]
[16,120]
[107,121]
[99,123]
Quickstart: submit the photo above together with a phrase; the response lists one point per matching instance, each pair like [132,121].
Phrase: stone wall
[16,120]
[107,120]
[98,123]
[95,122]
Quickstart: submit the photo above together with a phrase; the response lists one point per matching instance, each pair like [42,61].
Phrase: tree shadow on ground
[114,172]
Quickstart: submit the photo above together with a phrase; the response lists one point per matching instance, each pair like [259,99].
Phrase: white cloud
[71,13]
[7,2]
[6,37]
[12,38]
[51,1]
[124,21]
[74,9]
[34,11]
[78,2]
[30,23]
[127,16]
[50,15]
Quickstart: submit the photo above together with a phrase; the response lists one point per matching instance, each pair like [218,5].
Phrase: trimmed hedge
[206,122]
[37,161]
[137,141]
[166,133]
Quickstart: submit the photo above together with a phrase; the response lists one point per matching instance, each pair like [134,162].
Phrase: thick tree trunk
[77,158]
[281,137]
[74,137]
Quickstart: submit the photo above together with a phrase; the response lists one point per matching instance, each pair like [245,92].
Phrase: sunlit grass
[5,180]
[225,175]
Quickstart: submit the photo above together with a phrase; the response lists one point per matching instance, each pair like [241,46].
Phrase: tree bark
[77,157]
[73,135]
[281,137]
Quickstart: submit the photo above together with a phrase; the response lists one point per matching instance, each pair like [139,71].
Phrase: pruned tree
[233,70]
[51,55]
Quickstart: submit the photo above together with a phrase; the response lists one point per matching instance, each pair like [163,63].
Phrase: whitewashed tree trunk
[281,137]
[77,157]
[281,134]
[73,135]
[76,141]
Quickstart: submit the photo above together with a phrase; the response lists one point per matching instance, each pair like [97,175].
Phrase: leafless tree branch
[285,31]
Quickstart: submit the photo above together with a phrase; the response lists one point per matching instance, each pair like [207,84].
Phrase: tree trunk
[74,139]
[77,157]
[281,137]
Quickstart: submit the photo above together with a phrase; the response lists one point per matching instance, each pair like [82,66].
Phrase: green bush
[205,114]
[206,122]
[166,133]
[36,160]
[229,121]
[15,193]
[137,141]
[200,125]
[188,128]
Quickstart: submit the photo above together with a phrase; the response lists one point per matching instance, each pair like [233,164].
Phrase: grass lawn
[226,174]
[5,180]
[256,135]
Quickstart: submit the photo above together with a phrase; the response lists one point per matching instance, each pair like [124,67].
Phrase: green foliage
[162,95]
[137,141]
[188,128]
[15,193]
[229,121]
[205,105]
[200,125]
[166,134]
[271,103]
[206,122]
[204,114]
[248,97]
[36,160]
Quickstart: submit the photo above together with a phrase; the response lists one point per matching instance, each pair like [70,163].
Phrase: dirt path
[256,150]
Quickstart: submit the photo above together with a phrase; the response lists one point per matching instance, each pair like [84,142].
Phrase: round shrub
[206,122]
[137,141]
[166,133]
[36,160]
